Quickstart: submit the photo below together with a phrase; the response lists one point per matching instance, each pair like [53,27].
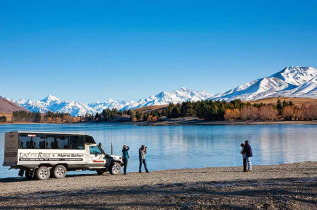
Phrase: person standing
[142,153]
[248,152]
[125,157]
[244,157]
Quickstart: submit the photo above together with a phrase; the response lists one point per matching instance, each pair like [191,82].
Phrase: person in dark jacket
[125,157]
[248,151]
[142,153]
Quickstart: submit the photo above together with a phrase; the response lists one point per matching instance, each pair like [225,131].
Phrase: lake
[177,147]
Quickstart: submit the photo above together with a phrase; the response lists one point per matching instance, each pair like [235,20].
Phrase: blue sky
[96,50]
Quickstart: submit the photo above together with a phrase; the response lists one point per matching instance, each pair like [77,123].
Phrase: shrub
[249,113]
[267,113]
[232,114]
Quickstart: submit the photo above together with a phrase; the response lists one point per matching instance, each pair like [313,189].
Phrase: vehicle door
[96,157]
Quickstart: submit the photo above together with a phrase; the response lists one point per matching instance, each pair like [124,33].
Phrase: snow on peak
[50,98]
[296,75]
[294,81]
[52,103]
[184,89]
[286,82]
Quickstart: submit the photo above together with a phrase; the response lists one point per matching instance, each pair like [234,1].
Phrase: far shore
[181,121]
[286,186]
[191,121]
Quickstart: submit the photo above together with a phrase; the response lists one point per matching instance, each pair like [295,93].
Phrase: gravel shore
[287,186]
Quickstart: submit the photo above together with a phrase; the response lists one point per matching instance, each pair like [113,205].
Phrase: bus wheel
[60,171]
[43,173]
[29,174]
[115,168]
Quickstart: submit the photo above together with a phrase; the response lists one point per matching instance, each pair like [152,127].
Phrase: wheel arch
[116,161]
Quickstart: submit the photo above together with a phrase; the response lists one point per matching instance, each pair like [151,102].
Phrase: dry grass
[273,100]
[9,107]
[150,108]
[7,115]
[296,101]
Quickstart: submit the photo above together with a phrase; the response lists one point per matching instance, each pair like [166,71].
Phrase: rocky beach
[287,186]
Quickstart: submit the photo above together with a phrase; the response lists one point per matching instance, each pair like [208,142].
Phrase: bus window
[63,142]
[39,141]
[24,141]
[76,142]
[51,142]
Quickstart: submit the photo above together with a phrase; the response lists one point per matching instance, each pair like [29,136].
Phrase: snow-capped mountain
[294,81]
[52,103]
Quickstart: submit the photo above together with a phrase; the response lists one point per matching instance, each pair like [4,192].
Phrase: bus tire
[59,171]
[43,173]
[115,168]
[29,174]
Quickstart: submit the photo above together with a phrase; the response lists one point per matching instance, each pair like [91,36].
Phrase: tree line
[49,117]
[209,110]
[231,111]
[25,116]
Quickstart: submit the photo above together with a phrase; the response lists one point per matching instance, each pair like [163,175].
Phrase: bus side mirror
[99,144]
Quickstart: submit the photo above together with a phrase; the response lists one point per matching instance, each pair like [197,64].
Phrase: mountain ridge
[293,81]
[278,84]
[77,108]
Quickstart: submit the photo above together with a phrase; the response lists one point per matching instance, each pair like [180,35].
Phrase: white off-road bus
[42,155]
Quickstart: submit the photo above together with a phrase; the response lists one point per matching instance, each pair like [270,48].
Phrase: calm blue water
[176,147]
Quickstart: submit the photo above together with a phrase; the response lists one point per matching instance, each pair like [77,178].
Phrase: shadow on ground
[283,193]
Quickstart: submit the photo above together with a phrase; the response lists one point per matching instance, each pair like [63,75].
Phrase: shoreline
[285,186]
[181,121]
[206,123]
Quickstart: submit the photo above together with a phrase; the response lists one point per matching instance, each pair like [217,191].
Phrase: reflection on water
[175,147]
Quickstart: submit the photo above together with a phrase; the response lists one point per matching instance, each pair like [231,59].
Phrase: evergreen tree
[284,103]
[139,115]
[97,116]
[131,115]
[279,106]
[170,109]
[164,112]
[175,112]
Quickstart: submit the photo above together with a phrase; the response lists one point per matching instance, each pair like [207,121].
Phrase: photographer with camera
[125,157]
[142,153]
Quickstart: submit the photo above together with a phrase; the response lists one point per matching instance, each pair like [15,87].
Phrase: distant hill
[295,100]
[272,100]
[150,108]
[9,107]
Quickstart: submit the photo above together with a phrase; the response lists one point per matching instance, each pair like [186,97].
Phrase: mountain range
[76,108]
[294,81]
